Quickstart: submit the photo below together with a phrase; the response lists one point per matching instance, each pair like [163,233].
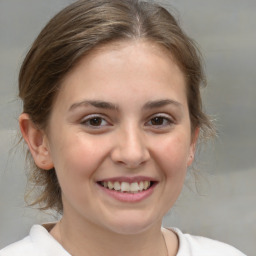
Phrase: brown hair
[73,33]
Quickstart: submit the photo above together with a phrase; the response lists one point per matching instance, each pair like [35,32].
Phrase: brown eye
[97,121]
[157,120]
[160,121]
[94,122]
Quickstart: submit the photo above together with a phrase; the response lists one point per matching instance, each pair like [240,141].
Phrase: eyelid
[162,114]
[165,116]
[92,116]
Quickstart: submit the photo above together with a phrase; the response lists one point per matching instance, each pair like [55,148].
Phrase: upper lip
[129,179]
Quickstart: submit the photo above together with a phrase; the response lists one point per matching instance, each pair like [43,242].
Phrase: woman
[112,114]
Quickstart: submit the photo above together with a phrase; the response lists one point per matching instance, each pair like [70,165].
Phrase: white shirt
[41,243]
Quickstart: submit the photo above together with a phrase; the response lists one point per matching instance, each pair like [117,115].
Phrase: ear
[37,142]
[194,138]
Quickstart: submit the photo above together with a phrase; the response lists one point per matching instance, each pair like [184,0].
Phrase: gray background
[225,206]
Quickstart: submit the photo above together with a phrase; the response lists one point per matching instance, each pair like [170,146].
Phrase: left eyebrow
[161,103]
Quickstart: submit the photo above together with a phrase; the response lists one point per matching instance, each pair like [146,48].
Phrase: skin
[131,136]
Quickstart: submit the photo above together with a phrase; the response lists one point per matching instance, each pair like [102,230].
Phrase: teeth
[146,184]
[110,185]
[126,187]
[141,185]
[117,185]
[134,187]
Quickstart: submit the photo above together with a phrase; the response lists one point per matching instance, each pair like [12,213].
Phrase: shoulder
[202,246]
[39,242]
[22,247]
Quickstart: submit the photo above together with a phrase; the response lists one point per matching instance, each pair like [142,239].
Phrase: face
[120,137]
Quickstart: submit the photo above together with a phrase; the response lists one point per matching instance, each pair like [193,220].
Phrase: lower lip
[129,197]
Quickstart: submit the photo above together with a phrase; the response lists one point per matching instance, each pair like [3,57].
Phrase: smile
[126,187]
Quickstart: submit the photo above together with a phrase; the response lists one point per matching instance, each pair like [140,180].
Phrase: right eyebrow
[94,103]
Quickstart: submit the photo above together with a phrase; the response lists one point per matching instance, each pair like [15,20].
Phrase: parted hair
[72,34]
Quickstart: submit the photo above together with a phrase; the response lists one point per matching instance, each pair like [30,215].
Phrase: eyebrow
[161,103]
[111,106]
[94,103]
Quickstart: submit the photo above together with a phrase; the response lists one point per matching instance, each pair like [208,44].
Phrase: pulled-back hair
[76,31]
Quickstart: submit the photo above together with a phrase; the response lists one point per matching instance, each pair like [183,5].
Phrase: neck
[90,239]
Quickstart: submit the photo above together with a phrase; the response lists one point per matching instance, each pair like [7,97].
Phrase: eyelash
[98,119]
[165,121]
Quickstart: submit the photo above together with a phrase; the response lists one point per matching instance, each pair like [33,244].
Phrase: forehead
[138,44]
[132,46]
[124,65]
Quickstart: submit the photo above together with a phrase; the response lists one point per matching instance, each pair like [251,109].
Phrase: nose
[130,148]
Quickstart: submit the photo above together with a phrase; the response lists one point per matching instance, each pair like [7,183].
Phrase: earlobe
[195,136]
[37,142]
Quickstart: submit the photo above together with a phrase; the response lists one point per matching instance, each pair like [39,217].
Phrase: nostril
[130,148]
[130,161]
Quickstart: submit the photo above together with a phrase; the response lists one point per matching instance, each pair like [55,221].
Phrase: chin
[129,229]
[131,225]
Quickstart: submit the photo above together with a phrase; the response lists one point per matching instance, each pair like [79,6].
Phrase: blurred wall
[225,207]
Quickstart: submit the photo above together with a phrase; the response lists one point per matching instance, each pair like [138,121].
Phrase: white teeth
[146,184]
[141,185]
[126,187]
[117,185]
[134,187]
[110,185]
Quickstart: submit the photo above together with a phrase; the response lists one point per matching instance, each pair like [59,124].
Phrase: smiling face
[119,137]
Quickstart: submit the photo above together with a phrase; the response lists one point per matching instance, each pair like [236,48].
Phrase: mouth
[127,187]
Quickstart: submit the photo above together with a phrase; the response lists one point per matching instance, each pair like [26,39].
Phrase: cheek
[173,155]
[77,156]
[76,160]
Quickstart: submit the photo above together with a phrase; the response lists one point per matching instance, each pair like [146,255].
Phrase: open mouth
[126,187]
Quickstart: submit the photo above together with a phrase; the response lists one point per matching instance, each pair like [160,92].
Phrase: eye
[94,121]
[160,121]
